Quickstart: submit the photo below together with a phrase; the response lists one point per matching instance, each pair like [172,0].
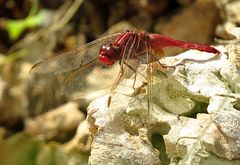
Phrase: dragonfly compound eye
[108,54]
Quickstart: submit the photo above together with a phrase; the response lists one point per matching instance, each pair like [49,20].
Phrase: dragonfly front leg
[117,81]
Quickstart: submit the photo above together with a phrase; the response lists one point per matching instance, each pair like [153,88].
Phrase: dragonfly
[118,55]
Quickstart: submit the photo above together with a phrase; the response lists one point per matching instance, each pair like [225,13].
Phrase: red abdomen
[158,41]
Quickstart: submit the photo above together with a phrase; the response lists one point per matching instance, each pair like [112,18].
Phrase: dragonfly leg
[134,70]
[173,66]
[129,49]
[118,79]
[135,76]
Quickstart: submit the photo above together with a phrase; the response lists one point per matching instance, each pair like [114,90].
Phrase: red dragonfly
[129,48]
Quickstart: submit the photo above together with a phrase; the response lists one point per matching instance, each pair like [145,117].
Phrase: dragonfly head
[108,54]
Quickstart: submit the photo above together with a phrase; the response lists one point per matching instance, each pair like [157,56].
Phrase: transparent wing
[92,82]
[73,59]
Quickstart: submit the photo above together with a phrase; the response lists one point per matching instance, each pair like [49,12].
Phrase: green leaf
[16,27]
